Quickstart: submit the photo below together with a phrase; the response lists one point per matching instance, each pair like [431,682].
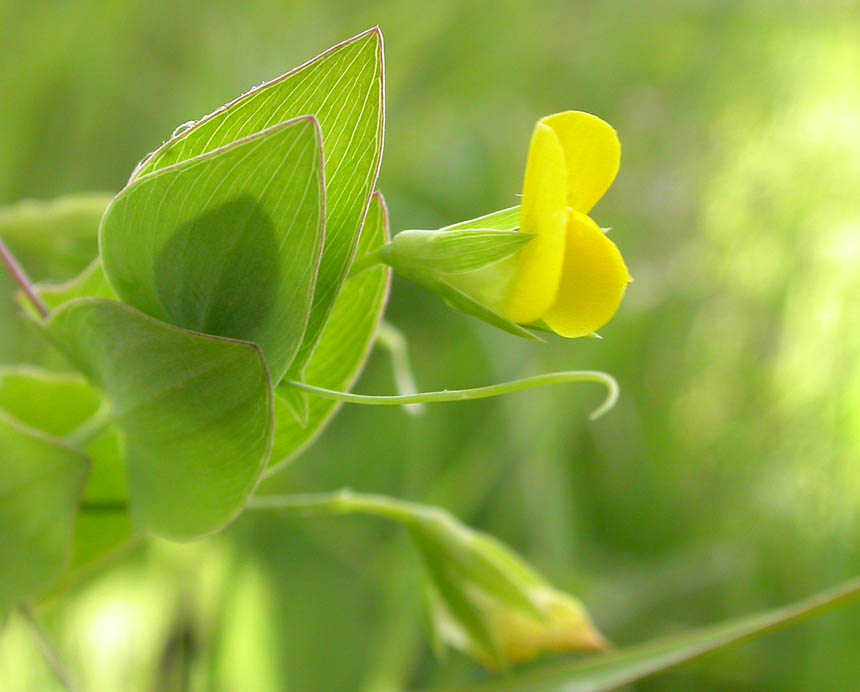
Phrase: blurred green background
[728,477]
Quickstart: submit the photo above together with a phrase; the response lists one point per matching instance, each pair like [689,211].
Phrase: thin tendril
[394,341]
[565,377]
[91,428]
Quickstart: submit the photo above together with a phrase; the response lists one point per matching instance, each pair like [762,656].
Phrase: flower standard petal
[593,280]
[592,154]
[544,213]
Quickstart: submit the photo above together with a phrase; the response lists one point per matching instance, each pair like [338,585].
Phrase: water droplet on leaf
[183,127]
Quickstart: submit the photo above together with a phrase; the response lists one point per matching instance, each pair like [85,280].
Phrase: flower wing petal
[593,280]
[544,213]
[592,154]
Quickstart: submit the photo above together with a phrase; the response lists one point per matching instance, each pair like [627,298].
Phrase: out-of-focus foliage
[727,478]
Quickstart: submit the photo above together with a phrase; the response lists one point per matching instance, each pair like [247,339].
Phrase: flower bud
[472,270]
[485,601]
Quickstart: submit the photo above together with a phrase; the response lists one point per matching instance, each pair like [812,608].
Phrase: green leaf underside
[195,412]
[343,89]
[453,252]
[502,220]
[343,346]
[90,283]
[40,485]
[227,243]
[54,240]
[614,670]
[54,403]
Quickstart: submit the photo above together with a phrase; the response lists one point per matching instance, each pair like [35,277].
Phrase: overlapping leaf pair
[223,267]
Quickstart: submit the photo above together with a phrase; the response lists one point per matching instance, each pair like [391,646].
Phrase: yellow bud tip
[591,639]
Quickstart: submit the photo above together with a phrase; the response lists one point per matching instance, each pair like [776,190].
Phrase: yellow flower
[546,265]
[571,275]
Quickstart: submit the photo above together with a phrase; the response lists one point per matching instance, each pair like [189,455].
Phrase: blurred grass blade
[54,240]
[343,346]
[41,479]
[394,341]
[195,411]
[624,667]
[343,88]
[52,657]
[233,244]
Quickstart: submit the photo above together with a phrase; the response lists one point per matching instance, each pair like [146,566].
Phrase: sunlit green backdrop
[728,477]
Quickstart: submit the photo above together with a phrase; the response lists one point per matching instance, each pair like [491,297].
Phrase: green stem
[341,502]
[362,264]
[52,656]
[564,377]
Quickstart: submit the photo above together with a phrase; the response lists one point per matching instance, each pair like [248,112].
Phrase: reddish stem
[21,278]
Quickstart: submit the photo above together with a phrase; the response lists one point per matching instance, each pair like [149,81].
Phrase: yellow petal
[544,213]
[592,153]
[593,280]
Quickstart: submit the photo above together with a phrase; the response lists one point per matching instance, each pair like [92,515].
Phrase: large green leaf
[195,411]
[344,89]
[90,283]
[55,403]
[343,346]
[614,670]
[227,243]
[41,480]
[63,404]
